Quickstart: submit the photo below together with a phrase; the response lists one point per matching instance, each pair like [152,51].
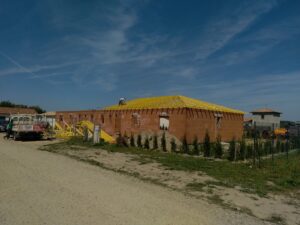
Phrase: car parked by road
[3,124]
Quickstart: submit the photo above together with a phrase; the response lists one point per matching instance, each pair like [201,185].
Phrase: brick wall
[183,122]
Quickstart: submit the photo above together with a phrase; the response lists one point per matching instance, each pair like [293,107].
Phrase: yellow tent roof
[178,101]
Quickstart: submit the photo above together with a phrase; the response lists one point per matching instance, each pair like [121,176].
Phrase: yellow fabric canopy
[178,101]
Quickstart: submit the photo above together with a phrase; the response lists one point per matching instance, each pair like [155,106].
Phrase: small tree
[196,146]
[206,145]
[231,151]
[173,145]
[242,155]
[185,147]
[163,142]
[132,144]
[218,148]
[139,141]
[146,144]
[155,142]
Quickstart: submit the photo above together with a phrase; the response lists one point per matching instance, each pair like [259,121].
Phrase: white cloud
[218,33]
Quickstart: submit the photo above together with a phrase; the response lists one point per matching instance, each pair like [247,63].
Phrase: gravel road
[38,187]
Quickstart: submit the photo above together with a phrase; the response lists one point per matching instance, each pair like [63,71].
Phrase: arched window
[164,121]
[102,118]
[218,118]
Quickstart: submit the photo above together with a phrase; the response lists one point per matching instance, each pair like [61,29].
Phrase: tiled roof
[178,101]
[265,110]
[9,110]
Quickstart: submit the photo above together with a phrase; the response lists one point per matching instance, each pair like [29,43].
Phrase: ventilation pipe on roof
[122,101]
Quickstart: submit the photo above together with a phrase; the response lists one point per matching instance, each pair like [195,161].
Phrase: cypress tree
[146,144]
[259,153]
[163,142]
[196,146]
[218,148]
[282,147]
[287,148]
[132,144]
[249,153]
[173,145]
[206,145]
[121,141]
[185,147]
[155,142]
[278,146]
[231,153]
[139,141]
[242,155]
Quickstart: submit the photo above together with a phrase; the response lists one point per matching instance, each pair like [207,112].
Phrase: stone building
[178,115]
[266,119]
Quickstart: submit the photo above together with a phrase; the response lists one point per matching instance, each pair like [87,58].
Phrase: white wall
[267,121]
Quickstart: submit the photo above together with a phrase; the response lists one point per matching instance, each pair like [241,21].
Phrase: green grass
[284,175]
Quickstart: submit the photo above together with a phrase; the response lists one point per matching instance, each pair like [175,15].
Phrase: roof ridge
[181,98]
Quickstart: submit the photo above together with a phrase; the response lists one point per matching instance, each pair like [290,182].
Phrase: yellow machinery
[280,131]
[69,131]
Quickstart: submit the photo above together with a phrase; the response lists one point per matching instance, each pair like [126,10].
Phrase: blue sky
[67,55]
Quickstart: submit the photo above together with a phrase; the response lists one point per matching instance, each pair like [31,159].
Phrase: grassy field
[282,176]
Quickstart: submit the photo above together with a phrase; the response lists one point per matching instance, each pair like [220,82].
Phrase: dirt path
[43,188]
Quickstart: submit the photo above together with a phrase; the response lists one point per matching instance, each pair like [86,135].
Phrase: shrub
[218,148]
[139,141]
[184,147]
[121,141]
[146,144]
[173,145]
[132,144]
[206,145]
[163,142]
[231,151]
[155,142]
[196,146]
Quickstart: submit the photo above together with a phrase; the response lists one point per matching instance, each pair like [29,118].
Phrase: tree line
[9,104]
